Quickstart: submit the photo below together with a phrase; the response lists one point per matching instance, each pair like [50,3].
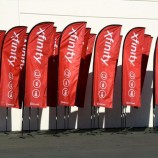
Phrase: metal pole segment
[125,118]
[6,120]
[29,119]
[68,116]
[153,117]
[91,117]
[154,83]
[121,117]
[64,116]
[23,108]
[98,116]
[38,126]
[56,118]
[104,119]
[94,112]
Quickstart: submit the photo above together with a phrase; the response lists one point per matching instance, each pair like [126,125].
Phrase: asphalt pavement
[80,144]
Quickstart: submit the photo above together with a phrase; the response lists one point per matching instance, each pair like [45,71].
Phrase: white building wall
[98,14]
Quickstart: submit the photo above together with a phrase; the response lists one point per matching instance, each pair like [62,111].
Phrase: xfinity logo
[107,47]
[55,46]
[23,55]
[14,46]
[39,48]
[70,51]
[133,56]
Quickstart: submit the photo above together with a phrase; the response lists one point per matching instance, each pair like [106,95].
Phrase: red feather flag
[53,73]
[85,44]
[22,71]
[39,48]
[105,60]
[145,56]
[2,34]
[70,52]
[56,43]
[131,76]
[10,67]
[156,74]
[118,50]
[83,74]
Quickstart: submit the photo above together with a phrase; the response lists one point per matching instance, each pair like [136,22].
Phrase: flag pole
[91,117]
[68,108]
[29,119]
[22,130]
[94,116]
[98,116]
[64,117]
[121,118]
[6,128]
[154,109]
[38,126]
[154,117]
[154,71]
[56,119]
[92,107]
[125,118]
[105,120]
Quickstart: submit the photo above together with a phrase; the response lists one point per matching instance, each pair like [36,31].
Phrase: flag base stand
[28,132]
[155,129]
[150,130]
[125,131]
[22,122]
[124,128]
[66,118]
[22,137]
[6,133]
[93,112]
[93,128]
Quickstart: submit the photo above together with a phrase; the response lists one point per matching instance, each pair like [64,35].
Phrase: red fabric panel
[69,62]
[84,71]
[39,48]
[131,76]
[10,66]
[105,60]
[53,74]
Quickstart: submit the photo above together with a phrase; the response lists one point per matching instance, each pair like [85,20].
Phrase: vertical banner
[50,83]
[145,56]
[2,34]
[85,44]
[83,73]
[53,73]
[118,50]
[70,52]
[156,73]
[105,60]
[10,66]
[131,67]
[38,51]
[56,43]
[22,71]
